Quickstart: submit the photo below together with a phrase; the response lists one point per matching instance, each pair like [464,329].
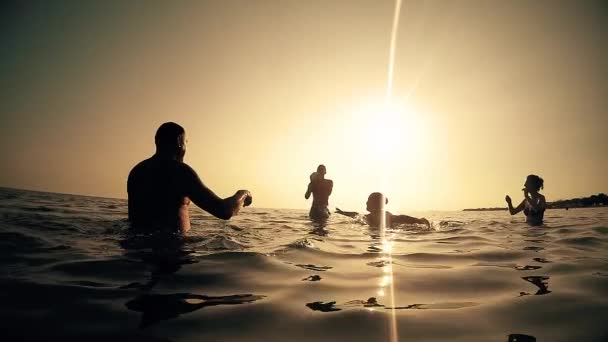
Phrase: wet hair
[167,136]
[375,200]
[321,166]
[535,182]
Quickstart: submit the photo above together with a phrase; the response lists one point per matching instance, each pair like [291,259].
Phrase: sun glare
[391,133]
[379,147]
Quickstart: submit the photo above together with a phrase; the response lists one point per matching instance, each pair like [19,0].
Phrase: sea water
[71,270]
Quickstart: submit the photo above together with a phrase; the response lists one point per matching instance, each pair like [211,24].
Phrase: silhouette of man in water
[375,205]
[320,188]
[160,188]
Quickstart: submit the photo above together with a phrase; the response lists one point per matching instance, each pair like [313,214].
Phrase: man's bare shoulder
[153,166]
[186,169]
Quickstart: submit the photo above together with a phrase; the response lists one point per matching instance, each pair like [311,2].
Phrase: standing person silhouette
[534,204]
[160,188]
[320,188]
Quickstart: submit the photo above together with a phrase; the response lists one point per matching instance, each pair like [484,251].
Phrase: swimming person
[375,206]
[320,188]
[533,204]
[160,188]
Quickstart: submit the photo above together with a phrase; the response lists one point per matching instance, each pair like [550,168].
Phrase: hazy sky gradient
[267,90]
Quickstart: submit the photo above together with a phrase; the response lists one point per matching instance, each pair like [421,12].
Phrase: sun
[372,145]
[391,133]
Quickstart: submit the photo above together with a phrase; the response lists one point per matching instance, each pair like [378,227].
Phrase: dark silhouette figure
[160,188]
[320,188]
[533,204]
[375,205]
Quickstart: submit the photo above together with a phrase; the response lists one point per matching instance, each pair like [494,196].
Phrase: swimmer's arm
[516,210]
[207,200]
[404,219]
[331,187]
[308,191]
[352,214]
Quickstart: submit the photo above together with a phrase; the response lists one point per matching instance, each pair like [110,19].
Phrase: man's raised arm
[308,190]
[207,200]
[352,214]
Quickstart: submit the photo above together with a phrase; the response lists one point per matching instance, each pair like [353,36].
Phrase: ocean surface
[71,270]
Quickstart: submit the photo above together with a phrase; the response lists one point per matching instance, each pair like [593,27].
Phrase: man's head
[321,169]
[170,140]
[376,201]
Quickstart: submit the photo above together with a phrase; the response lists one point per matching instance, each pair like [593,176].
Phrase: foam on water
[70,269]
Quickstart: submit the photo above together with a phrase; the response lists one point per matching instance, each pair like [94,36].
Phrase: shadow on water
[314,277]
[513,266]
[323,307]
[533,248]
[375,243]
[156,307]
[521,338]
[164,255]
[542,260]
[539,281]
[372,302]
[319,228]
[314,267]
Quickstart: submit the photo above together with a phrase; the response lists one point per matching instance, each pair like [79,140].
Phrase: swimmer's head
[534,183]
[376,201]
[321,169]
[170,139]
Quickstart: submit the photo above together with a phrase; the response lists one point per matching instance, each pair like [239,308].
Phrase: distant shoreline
[593,201]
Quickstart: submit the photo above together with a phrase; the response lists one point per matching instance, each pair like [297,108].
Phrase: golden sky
[485,92]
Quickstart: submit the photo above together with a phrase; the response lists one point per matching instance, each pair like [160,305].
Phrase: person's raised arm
[207,200]
[512,210]
[308,191]
[352,214]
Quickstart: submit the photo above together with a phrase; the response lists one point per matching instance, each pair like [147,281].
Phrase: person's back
[321,189]
[160,188]
[157,191]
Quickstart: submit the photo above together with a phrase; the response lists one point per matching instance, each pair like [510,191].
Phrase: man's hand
[233,204]
[508,199]
[244,198]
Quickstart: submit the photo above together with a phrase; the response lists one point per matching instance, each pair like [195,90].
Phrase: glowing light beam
[389,92]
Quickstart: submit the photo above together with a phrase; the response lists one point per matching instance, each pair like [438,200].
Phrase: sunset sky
[485,92]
